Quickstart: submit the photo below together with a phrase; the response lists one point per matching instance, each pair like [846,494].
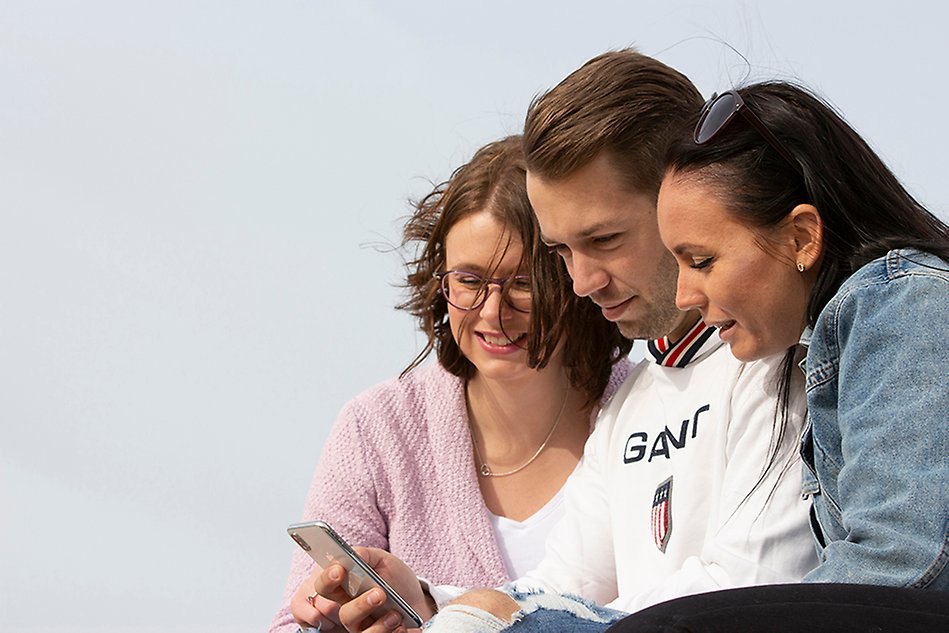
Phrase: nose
[587,274]
[688,292]
[493,304]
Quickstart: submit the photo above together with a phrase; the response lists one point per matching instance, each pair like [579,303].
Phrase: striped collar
[697,341]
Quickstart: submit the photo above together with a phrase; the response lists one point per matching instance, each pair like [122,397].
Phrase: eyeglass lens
[467,291]
[720,110]
[717,113]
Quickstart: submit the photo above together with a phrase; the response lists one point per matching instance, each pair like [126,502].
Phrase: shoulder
[747,388]
[740,393]
[717,371]
[420,384]
[425,393]
[620,387]
[618,375]
[647,380]
[885,287]
[904,268]
[651,387]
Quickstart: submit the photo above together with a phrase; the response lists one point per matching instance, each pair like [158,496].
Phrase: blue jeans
[539,613]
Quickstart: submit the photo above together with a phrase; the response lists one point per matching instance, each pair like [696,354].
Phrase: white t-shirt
[522,542]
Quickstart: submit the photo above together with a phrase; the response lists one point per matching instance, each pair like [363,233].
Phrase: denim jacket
[876,442]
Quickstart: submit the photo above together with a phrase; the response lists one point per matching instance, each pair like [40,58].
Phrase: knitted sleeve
[343,493]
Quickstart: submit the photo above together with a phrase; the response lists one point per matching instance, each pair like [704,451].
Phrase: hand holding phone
[326,547]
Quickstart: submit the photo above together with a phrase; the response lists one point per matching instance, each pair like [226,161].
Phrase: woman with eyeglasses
[792,235]
[456,466]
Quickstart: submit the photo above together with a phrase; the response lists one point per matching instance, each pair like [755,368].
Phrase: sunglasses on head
[721,109]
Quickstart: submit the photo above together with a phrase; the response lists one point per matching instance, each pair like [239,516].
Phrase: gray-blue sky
[193,197]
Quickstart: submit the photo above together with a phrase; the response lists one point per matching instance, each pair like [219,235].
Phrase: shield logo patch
[661,516]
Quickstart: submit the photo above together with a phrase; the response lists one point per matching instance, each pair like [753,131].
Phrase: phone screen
[326,547]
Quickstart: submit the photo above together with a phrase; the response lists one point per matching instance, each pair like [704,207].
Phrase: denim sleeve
[881,425]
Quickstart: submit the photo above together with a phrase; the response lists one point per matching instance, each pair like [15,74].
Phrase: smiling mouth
[615,311]
[724,326]
[617,305]
[502,341]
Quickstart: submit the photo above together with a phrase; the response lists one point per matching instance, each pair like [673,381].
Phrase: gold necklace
[485,470]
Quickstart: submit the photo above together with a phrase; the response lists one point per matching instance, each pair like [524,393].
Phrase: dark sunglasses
[721,109]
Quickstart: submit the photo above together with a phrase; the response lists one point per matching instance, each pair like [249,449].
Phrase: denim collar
[805,343]
[806,336]
[697,343]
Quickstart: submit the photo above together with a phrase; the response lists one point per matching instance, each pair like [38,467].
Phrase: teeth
[498,340]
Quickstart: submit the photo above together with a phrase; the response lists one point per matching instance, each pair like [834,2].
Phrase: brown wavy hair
[494,180]
[624,103]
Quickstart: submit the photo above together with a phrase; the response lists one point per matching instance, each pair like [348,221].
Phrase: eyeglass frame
[742,108]
[486,286]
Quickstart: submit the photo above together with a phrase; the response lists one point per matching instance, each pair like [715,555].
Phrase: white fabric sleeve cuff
[441,593]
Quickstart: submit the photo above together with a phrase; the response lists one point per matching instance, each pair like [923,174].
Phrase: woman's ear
[808,231]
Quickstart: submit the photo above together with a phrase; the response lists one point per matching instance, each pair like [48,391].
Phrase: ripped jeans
[539,613]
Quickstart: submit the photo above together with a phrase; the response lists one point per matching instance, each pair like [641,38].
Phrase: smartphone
[326,547]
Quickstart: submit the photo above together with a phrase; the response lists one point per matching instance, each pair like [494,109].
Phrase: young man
[685,485]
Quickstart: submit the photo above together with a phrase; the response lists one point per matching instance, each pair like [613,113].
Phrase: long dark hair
[865,210]
[495,180]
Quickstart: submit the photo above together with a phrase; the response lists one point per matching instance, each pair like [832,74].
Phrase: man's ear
[807,229]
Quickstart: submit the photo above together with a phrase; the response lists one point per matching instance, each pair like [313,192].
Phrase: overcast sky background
[196,200]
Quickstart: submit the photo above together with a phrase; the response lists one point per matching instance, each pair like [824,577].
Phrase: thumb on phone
[399,576]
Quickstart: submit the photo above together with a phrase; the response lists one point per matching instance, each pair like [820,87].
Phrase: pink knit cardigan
[397,473]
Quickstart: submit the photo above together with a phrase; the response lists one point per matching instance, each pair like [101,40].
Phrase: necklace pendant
[485,471]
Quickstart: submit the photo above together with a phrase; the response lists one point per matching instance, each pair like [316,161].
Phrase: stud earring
[800,267]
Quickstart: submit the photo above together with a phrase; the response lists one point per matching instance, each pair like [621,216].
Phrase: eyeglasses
[721,109]
[468,291]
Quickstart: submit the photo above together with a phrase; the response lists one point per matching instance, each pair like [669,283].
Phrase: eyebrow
[479,269]
[468,267]
[682,249]
[583,234]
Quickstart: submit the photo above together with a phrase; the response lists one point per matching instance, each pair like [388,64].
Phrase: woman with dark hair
[792,235]
[456,466]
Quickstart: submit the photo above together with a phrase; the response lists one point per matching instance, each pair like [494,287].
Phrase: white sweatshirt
[659,506]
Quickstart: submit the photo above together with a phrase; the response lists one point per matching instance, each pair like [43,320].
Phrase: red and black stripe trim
[679,354]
